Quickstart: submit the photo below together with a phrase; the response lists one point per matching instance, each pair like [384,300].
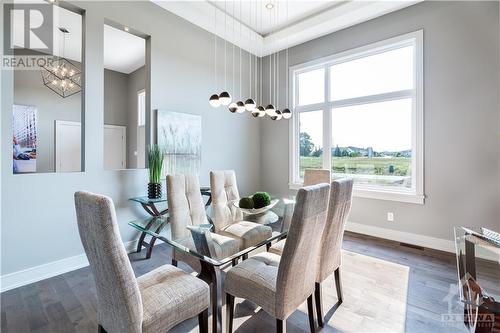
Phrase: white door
[115,142]
[68,153]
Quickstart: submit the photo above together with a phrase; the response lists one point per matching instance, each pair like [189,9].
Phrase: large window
[360,114]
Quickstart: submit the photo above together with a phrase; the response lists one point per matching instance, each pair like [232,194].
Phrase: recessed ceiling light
[269,5]
[125,28]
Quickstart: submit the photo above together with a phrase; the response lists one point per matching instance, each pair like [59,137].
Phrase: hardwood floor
[414,295]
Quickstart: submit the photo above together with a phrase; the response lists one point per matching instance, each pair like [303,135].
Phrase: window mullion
[327,124]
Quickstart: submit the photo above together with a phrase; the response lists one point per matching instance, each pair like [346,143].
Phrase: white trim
[416,94]
[378,194]
[338,17]
[48,270]
[416,239]
[402,236]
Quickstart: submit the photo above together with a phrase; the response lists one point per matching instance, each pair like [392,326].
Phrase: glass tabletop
[478,264]
[197,240]
[205,190]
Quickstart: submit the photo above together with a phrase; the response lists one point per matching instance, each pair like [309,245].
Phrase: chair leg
[338,284]
[244,257]
[319,305]
[234,262]
[229,312]
[268,246]
[174,262]
[310,312]
[280,326]
[101,329]
[203,321]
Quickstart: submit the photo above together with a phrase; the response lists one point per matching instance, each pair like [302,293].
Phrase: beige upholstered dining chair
[280,286]
[186,208]
[330,257]
[311,177]
[227,218]
[154,302]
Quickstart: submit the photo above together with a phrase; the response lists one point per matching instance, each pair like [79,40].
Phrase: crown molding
[346,14]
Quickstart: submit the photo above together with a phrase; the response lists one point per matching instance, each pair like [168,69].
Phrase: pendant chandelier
[61,75]
[250,104]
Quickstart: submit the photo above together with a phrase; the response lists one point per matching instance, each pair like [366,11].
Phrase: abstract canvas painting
[24,138]
[179,134]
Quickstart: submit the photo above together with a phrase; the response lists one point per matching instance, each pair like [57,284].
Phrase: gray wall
[461,88]
[115,98]
[37,211]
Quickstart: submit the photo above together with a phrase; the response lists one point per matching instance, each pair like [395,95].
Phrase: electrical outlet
[390,216]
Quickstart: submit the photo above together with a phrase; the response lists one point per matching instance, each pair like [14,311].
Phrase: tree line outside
[352,160]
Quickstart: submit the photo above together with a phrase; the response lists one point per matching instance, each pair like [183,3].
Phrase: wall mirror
[126,98]
[47,111]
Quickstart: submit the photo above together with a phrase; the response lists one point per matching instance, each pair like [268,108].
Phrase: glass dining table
[200,248]
[478,264]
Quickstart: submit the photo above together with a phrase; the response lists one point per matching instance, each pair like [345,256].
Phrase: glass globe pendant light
[250,104]
[270,111]
[214,100]
[286,113]
[277,115]
[261,110]
[233,107]
[225,98]
[241,107]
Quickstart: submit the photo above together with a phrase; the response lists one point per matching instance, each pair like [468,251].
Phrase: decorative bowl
[253,211]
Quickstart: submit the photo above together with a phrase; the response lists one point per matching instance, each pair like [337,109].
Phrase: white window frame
[139,93]
[416,193]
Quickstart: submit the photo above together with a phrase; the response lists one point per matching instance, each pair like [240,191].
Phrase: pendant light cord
[233,33]
[215,47]
[240,90]
[225,45]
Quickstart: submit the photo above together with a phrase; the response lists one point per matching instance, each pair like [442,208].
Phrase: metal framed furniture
[480,298]
[149,206]
[211,265]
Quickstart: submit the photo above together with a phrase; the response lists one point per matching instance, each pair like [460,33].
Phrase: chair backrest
[298,264]
[119,303]
[316,176]
[185,204]
[331,243]
[311,177]
[224,191]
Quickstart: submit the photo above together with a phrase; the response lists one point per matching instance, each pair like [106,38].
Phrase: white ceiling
[265,31]
[264,21]
[123,52]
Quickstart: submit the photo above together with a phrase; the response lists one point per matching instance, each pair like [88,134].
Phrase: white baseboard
[48,270]
[415,239]
[403,237]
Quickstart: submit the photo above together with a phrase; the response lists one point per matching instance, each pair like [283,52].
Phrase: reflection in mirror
[125,124]
[47,110]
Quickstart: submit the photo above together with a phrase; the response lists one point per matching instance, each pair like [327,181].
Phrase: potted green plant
[155,161]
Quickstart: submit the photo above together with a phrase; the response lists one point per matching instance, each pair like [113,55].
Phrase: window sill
[379,194]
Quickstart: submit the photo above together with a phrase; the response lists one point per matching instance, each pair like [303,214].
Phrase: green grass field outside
[394,166]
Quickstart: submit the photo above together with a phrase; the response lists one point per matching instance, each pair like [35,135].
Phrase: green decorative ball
[261,199]
[246,203]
